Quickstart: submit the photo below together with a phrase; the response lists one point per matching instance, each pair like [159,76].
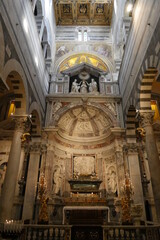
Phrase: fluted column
[31,183]
[146,119]
[10,180]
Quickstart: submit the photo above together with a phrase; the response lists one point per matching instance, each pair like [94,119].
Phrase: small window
[85,36]
[82,35]
[79,35]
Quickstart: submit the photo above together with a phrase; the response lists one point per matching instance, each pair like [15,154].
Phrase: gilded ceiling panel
[83,12]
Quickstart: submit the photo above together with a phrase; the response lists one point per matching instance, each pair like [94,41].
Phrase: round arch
[68,56]
[14,76]
[39,8]
[48,27]
[130,122]
[111,114]
[34,110]
[141,95]
[146,85]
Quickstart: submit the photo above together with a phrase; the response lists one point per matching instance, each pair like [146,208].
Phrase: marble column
[20,170]
[10,180]
[146,119]
[31,183]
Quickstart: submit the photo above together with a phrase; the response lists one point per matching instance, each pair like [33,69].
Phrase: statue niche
[112,181]
[57,181]
[84,83]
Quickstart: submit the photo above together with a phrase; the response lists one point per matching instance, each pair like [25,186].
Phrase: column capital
[22,122]
[130,148]
[146,118]
[35,147]
[38,147]
[44,148]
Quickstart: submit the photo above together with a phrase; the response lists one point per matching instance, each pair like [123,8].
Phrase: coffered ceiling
[83,12]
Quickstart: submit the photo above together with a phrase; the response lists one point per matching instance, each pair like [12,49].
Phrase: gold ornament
[127,191]
[42,192]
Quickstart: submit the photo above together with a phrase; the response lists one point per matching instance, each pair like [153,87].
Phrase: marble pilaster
[11,176]
[135,173]
[146,119]
[119,139]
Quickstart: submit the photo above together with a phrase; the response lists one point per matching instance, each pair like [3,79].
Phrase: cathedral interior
[80,119]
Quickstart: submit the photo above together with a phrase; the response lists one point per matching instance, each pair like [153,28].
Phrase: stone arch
[39,8]
[91,53]
[14,76]
[131,122]
[46,47]
[48,27]
[148,74]
[146,88]
[107,112]
[45,34]
[2,44]
[36,119]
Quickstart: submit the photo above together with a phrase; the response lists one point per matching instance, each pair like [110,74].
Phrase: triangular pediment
[83,67]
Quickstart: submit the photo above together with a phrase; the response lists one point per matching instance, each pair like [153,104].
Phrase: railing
[131,232]
[35,232]
[47,232]
[63,232]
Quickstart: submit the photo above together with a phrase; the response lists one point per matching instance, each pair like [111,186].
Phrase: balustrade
[19,231]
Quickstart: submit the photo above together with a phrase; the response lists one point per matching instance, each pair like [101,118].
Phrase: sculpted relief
[84,87]
[83,165]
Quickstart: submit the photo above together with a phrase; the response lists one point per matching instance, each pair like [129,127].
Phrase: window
[82,35]
[79,35]
[85,36]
